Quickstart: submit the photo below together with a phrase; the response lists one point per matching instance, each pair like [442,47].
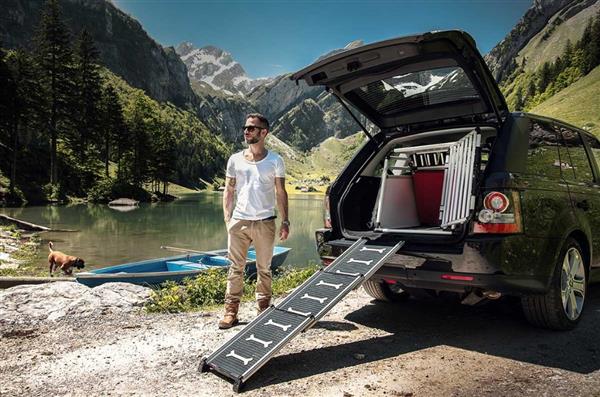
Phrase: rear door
[578,171]
[401,83]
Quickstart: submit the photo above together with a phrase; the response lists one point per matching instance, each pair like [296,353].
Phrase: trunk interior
[420,185]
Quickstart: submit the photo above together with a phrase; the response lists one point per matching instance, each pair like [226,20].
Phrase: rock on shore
[26,304]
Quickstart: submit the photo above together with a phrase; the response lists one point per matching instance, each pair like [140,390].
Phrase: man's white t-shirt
[255,184]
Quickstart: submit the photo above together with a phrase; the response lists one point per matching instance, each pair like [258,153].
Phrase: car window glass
[594,144]
[417,89]
[576,164]
[543,158]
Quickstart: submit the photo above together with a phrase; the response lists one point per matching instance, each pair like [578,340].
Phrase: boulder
[52,301]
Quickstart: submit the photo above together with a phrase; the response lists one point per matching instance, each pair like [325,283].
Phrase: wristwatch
[285,222]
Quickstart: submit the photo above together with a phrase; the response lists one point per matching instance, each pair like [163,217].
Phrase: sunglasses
[252,128]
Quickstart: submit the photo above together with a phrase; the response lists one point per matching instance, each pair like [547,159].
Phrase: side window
[543,158]
[594,144]
[577,166]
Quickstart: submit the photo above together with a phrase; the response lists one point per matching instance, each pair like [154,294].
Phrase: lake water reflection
[106,236]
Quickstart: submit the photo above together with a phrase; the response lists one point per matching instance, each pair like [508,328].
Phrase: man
[258,176]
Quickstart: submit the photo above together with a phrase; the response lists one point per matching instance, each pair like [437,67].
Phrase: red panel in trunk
[428,194]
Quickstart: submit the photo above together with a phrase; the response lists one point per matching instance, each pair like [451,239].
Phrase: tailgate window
[418,89]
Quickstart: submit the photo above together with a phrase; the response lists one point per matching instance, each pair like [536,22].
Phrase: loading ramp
[244,354]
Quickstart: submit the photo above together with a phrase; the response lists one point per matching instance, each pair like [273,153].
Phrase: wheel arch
[584,243]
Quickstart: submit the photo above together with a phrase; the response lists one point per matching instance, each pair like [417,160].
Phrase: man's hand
[228,199]
[284,231]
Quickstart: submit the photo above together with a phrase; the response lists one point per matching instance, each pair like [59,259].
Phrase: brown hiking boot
[262,305]
[230,319]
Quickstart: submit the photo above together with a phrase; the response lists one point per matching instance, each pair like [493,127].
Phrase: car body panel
[444,55]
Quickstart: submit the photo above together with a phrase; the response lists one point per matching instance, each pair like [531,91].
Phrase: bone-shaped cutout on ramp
[336,286]
[241,358]
[352,260]
[282,326]
[307,296]
[265,343]
[380,250]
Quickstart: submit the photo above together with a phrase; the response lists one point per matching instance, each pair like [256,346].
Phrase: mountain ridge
[125,47]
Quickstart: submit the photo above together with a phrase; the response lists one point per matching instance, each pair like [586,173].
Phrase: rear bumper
[431,279]
[506,264]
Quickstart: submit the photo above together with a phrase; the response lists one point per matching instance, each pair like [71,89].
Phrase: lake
[195,221]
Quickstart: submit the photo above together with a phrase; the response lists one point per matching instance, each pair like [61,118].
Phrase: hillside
[578,104]
[125,47]
[566,25]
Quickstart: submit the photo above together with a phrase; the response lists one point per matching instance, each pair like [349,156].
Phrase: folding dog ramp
[243,355]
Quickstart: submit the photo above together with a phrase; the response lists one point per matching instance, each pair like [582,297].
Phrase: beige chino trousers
[241,234]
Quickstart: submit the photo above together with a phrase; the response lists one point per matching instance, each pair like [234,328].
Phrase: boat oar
[190,251]
[186,250]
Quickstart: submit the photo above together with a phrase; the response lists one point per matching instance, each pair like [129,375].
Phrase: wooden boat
[156,271]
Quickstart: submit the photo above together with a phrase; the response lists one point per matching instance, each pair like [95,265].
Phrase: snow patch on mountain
[217,68]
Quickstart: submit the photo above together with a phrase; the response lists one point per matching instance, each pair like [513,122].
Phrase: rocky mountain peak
[216,67]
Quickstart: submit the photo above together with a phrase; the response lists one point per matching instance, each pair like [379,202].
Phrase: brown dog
[66,263]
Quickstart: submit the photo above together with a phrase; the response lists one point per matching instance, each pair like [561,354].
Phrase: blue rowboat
[175,268]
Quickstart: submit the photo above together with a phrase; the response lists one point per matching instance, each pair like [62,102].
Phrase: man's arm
[282,204]
[228,198]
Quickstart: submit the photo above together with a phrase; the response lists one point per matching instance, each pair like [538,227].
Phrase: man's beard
[252,140]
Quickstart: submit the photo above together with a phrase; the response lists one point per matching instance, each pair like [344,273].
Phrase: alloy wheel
[572,283]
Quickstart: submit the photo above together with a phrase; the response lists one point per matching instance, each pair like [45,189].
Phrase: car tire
[561,307]
[381,291]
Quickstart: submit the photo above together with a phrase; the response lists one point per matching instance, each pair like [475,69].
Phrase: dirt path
[361,348]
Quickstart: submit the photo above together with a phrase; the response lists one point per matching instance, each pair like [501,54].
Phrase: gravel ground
[415,348]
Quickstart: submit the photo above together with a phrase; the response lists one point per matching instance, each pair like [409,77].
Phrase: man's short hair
[261,118]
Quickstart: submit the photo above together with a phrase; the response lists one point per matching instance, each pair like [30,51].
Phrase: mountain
[216,68]
[125,47]
[501,59]
[577,104]
[300,115]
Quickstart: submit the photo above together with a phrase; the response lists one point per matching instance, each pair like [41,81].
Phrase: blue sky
[273,37]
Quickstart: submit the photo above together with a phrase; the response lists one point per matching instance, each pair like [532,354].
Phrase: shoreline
[18,250]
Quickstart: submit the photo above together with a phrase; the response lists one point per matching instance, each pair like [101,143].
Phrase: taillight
[500,214]
[326,213]
[496,201]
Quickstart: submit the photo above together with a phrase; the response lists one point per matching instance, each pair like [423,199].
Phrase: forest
[526,89]
[71,129]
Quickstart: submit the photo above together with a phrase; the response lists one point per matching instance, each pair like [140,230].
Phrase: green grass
[208,290]
[26,254]
[577,104]
[540,50]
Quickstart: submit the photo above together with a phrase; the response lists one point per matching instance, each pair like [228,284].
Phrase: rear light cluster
[499,214]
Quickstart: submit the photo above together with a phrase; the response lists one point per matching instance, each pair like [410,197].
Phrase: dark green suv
[489,202]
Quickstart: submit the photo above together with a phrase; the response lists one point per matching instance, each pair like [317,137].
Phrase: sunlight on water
[107,237]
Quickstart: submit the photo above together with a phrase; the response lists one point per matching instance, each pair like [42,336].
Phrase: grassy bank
[208,290]
[18,252]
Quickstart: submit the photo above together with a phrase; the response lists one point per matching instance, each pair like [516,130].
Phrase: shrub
[208,289]
[108,189]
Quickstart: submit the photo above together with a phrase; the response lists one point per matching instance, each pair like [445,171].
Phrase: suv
[488,202]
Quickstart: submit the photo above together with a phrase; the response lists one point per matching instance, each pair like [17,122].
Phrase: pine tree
[164,159]
[115,133]
[544,77]
[140,118]
[54,56]
[25,105]
[594,47]
[6,91]
[86,135]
